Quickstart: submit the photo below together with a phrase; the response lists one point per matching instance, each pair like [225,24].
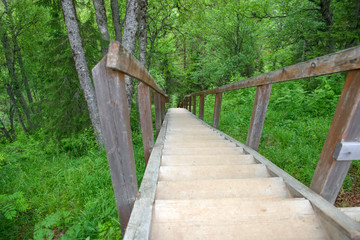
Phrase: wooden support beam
[115,123]
[330,174]
[162,101]
[217,108]
[261,103]
[144,100]
[121,59]
[194,105]
[189,101]
[201,106]
[157,103]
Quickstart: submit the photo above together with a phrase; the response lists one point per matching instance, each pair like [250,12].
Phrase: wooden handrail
[342,61]
[119,58]
[109,80]
[330,173]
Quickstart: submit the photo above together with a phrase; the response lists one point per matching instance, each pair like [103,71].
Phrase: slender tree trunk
[101,20]
[328,19]
[129,40]
[24,77]
[18,54]
[78,53]
[15,89]
[143,31]
[116,20]
[5,131]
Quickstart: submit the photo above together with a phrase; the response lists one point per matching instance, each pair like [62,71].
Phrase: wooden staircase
[208,188]
[200,183]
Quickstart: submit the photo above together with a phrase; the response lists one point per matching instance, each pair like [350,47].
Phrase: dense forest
[54,178]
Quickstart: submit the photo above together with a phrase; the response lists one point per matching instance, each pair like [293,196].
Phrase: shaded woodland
[54,177]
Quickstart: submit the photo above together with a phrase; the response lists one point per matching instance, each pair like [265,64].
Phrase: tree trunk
[5,131]
[142,32]
[101,20]
[14,78]
[82,70]
[116,20]
[328,19]
[129,40]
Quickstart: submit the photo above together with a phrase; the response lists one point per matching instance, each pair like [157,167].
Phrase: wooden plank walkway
[209,189]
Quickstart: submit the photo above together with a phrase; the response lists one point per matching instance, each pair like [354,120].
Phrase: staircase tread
[237,218]
[222,188]
[198,160]
[177,173]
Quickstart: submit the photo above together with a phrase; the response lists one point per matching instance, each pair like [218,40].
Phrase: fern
[11,205]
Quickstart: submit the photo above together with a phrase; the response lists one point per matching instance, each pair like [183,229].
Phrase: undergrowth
[51,189]
[296,125]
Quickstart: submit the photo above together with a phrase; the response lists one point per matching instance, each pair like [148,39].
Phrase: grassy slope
[296,124]
[67,194]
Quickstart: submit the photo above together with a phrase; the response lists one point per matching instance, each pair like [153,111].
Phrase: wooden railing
[342,144]
[109,80]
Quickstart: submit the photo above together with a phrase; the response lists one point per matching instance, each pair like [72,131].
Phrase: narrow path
[209,189]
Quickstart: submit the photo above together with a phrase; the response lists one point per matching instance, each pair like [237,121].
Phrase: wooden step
[180,138]
[235,219]
[173,150]
[178,173]
[205,143]
[196,160]
[222,188]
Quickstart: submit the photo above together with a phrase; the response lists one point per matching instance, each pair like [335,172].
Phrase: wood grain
[330,174]
[115,122]
[157,104]
[144,101]
[217,109]
[261,103]
[194,105]
[201,106]
[121,59]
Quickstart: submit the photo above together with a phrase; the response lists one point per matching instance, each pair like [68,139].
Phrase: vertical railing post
[162,108]
[144,100]
[115,123]
[345,127]
[261,103]
[189,101]
[185,103]
[194,105]
[157,103]
[217,108]
[201,106]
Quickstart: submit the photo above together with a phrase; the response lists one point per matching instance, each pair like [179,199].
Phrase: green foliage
[296,124]
[11,205]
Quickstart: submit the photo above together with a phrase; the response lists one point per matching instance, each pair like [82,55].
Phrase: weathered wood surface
[346,151]
[261,103]
[352,212]
[119,58]
[194,105]
[158,116]
[348,59]
[330,174]
[338,225]
[140,221]
[144,101]
[201,106]
[189,104]
[217,109]
[162,107]
[235,219]
[115,122]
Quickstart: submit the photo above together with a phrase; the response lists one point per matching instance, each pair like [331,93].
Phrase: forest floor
[350,198]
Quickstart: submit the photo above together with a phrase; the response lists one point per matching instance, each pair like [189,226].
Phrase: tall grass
[296,124]
[67,191]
